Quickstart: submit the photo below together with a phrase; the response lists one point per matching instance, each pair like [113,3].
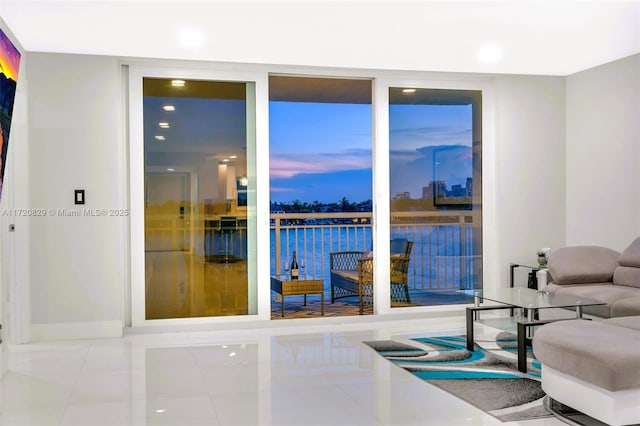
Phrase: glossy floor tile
[272,376]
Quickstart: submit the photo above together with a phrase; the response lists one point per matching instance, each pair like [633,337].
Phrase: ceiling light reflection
[408,90]
[177,83]
[169,108]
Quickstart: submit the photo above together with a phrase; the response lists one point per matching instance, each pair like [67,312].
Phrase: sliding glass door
[198,199]
[321,193]
[435,191]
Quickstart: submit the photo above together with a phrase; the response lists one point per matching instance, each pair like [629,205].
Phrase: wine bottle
[294,267]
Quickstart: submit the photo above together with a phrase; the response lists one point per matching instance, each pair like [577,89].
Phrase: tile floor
[316,375]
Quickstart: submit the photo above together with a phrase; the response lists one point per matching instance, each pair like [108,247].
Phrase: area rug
[487,377]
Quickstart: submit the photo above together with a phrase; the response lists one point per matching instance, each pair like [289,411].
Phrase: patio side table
[285,286]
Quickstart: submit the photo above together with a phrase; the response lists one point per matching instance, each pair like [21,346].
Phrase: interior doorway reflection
[198,139]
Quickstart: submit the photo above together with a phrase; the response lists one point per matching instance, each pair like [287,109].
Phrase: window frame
[259,74]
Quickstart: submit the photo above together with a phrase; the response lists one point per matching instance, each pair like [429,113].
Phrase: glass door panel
[196,179]
[321,194]
[435,145]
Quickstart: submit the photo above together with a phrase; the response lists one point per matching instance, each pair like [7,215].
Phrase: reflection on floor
[181,285]
[277,376]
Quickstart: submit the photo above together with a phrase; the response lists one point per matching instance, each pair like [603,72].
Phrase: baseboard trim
[76,330]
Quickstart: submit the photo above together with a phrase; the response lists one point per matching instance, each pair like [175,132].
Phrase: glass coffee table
[531,302]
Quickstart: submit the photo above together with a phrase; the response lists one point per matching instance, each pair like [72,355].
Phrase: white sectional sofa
[598,273]
[594,366]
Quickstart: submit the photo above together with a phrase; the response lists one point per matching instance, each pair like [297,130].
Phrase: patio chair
[352,274]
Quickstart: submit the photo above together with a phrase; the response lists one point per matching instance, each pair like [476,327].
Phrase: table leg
[530,317]
[522,347]
[476,303]
[579,311]
[470,315]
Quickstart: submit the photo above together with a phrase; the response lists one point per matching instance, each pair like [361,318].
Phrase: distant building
[439,189]
[435,189]
[458,191]
[427,191]
[402,195]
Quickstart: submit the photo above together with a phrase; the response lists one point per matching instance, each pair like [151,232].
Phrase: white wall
[603,154]
[76,142]
[530,187]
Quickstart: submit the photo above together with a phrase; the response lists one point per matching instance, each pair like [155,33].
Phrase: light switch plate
[79,196]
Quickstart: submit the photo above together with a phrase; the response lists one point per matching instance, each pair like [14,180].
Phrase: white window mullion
[381,202]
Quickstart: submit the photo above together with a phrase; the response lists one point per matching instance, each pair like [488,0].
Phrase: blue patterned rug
[487,378]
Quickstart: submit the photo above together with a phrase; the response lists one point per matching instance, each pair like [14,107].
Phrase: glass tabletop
[521,297]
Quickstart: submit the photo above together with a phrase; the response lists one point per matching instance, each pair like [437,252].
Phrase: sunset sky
[323,151]
[9,57]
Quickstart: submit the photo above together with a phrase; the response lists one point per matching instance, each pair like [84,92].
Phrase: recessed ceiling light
[169,108]
[408,90]
[233,157]
[226,160]
[171,169]
[490,54]
[177,83]
[160,138]
[164,124]
[191,38]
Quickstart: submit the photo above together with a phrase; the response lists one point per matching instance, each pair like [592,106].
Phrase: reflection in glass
[435,145]
[198,139]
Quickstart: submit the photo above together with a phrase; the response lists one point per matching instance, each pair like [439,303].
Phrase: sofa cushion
[399,246]
[627,276]
[346,274]
[582,264]
[628,322]
[631,255]
[608,293]
[603,354]
[626,307]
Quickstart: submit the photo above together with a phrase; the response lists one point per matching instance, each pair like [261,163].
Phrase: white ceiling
[535,37]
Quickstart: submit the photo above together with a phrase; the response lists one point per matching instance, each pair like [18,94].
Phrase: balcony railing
[445,253]
[442,258]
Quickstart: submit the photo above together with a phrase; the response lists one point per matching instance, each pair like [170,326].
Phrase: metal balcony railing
[446,246]
[443,256]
